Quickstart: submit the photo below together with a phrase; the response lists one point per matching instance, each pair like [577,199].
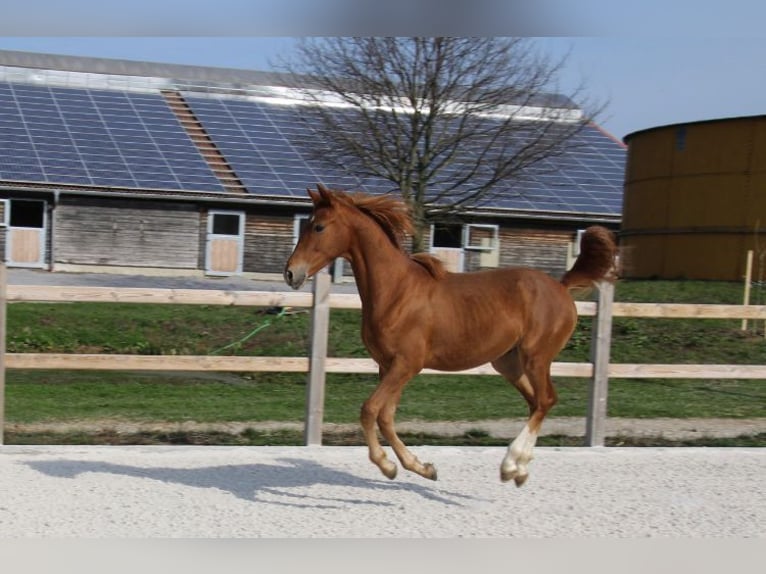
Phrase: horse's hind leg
[532,378]
[510,366]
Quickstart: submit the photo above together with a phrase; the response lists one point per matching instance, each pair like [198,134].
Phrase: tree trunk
[420,226]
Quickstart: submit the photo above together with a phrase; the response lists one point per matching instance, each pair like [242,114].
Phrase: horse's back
[499,308]
[514,284]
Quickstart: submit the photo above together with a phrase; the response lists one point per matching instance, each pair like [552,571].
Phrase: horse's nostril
[289,277]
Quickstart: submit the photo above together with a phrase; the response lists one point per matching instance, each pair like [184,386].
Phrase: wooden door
[25,242]
[225,242]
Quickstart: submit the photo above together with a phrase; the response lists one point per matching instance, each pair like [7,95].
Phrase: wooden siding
[268,242]
[120,232]
[543,250]
[95,231]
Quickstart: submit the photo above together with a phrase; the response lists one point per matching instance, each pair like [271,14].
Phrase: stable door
[25,242]
[225,242]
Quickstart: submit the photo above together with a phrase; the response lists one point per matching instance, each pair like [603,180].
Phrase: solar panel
[97,137]
[253,136]
[264,143]
[125,139]
[587,178]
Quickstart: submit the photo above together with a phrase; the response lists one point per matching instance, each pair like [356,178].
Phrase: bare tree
[449,122]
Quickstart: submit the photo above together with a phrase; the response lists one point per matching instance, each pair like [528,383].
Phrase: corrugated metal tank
[695,200]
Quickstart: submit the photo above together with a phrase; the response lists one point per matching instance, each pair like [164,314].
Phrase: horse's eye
[319,228]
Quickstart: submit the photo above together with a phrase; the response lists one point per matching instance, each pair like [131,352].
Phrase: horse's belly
[467,353]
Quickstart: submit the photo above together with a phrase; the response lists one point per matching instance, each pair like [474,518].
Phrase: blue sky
[654,62]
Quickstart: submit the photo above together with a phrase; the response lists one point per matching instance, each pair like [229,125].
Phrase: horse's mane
[393,216]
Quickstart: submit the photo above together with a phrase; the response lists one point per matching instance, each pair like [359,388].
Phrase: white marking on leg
[530,440]
[519,454]
[515,449]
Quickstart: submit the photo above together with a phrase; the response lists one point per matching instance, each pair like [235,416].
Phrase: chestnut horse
[417,315]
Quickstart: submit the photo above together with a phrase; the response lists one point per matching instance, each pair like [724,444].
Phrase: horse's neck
[379,266]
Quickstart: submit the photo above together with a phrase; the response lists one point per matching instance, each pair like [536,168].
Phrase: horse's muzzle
[295,277]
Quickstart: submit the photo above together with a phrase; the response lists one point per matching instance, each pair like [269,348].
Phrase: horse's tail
[596,261]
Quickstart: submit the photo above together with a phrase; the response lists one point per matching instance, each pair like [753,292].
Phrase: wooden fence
[599,370]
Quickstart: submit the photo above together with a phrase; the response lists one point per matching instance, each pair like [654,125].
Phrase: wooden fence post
[320,322]
[3,310]
[748,281]
[595,428]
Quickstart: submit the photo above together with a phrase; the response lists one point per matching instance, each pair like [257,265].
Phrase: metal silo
[695,199]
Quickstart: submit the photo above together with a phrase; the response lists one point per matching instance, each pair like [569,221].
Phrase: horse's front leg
[380,408]
[405,456]
[370,409]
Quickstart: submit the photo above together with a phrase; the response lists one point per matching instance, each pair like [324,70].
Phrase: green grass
[222,397]
[40,396]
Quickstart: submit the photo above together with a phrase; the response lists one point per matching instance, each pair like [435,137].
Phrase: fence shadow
[251,481]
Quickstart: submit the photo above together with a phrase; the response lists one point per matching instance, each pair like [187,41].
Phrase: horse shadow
[250,481]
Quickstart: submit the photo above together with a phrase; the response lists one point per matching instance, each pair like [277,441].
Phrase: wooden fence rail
[316,364]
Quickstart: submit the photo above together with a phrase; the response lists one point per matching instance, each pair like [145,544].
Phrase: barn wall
[124,233]
[268,242]
[545,250]
[202,238]
[117,232]
[3,228]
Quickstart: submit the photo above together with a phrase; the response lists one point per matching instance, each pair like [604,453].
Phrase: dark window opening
[25,213]
[681,138]
[446,235]
[225,224]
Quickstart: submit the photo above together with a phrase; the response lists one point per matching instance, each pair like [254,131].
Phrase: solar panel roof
[112,138]
[96,137]
[263,144]
[587,178]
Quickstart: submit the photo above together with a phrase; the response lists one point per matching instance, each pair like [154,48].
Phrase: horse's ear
[325,193]
[315,197]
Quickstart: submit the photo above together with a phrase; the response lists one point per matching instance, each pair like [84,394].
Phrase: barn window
[226,223]
[27,213]
[447,235]
[480,237]
[681,138]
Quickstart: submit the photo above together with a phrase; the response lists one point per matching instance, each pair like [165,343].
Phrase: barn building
[695,200]
[133,167]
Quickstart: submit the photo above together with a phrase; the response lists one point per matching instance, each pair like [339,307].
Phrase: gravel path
[235,492]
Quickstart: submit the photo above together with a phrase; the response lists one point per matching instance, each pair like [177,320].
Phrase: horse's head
[323,239]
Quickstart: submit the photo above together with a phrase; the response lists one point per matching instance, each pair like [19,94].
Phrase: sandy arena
[252,492]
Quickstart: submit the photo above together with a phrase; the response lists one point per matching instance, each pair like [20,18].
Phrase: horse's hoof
[515,475]
[429,471]
[389,471]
